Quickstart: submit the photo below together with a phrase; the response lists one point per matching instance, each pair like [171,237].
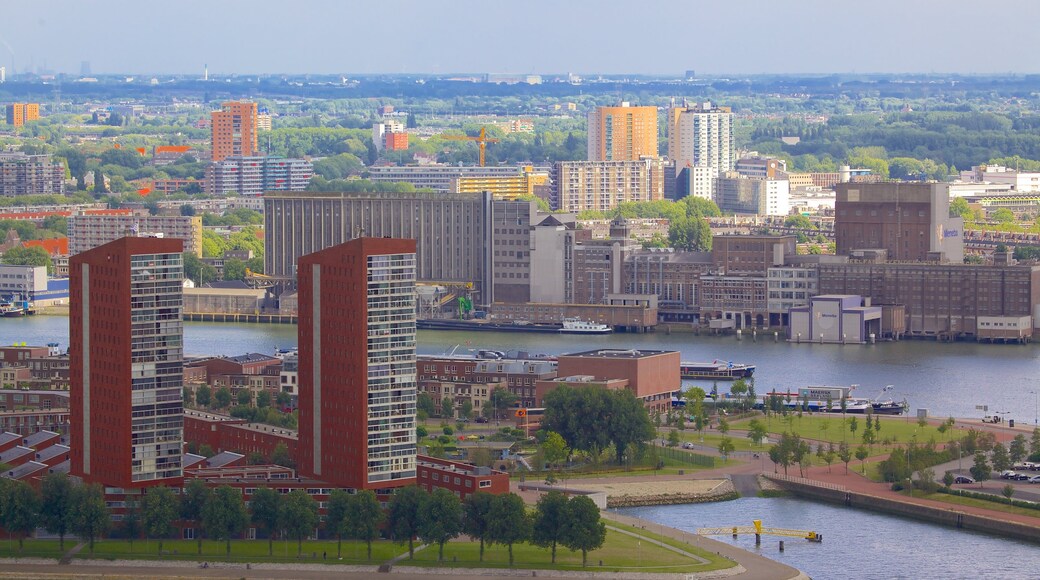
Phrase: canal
[856,544]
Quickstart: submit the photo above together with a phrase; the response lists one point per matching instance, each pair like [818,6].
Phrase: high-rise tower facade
[623,133]
[234,130]
[126,359]
[357,372]
[700,138]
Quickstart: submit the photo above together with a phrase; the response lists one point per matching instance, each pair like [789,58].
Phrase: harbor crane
[482,140]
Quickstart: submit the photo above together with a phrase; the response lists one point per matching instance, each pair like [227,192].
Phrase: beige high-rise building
[623,133]
[234,129]
[602,185]
[701,136]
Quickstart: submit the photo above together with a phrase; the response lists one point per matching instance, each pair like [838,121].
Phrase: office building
[700,137]
[22,174]
[91,231]
[761,167]
[389,136]
[602,185]
[234,130]
[257,174]
[752,195]
[357,364]
[502,186]
[126,359]
[19,114]
[623,133]
[263,121]
[461,238]
[439,178]
[910,221]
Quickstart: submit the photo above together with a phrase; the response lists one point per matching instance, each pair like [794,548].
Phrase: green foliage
[58,496]
[90,517]
[582,529]
[364,518]
[476,518]
[281,456]
[21,513]
[757,431]
[224,515]
[160,510]
[339,166]
[590,419]
[980,470]
[424,402]
[203,395]
[554,448]
[403,515]
[193,501]
[509,522]
[550,516]
[440,519]
[790,450]
[266,512]
[299,516]
[34,256]
[222,398]
[234,269]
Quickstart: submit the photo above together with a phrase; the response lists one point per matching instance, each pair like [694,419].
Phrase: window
[484,483]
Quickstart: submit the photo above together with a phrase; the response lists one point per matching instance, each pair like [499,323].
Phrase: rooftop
[612,353]
[224,458]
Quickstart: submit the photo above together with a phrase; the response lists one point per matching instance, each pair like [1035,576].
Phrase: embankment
[907,508]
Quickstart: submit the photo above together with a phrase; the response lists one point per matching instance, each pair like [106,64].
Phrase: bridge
[758,530]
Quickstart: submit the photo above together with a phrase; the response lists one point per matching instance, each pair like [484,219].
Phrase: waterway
[856,544]
[947,379]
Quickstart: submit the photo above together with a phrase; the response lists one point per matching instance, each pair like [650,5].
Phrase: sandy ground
[657,488]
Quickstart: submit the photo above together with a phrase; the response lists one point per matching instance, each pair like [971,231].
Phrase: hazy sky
[537,36]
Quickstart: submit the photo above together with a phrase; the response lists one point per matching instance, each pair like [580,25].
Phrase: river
[946,379]
[856,544]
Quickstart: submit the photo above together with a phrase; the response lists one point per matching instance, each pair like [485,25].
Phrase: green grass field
[245,551]
[833,428]
[34,548]
[620,553]
[996,505]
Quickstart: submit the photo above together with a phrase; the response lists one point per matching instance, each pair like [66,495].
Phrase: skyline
[442,37]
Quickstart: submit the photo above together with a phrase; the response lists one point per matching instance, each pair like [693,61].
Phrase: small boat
[579,326]
[720,370]
[10,309]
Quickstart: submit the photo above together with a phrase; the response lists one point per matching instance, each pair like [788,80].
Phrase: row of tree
[501,519]
[591,419]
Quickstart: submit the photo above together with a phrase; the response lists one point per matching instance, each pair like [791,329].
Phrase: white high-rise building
[701,136]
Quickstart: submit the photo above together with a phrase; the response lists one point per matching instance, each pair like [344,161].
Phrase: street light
[1036,407]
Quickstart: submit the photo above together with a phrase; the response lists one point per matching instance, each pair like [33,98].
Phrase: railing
[809,482]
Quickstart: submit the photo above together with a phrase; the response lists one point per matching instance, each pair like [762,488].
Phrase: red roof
[54,246]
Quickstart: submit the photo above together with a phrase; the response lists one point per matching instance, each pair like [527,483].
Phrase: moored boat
[715,370]
[579,326]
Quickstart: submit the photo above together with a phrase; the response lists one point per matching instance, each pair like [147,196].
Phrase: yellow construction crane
[482,140]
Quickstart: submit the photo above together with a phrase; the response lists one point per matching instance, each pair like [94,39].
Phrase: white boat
[579,326]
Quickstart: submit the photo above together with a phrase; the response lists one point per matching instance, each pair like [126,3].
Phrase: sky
[584,37]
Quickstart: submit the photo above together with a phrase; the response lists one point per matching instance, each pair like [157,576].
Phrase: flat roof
[618,353]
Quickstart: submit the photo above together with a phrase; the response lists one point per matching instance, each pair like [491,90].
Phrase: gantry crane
[482,140]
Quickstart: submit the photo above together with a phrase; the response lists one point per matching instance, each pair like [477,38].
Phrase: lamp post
[1036,407]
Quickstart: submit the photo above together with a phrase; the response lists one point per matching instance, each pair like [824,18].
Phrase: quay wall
[943,516]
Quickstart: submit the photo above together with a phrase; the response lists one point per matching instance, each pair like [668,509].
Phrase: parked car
[1008,474]
[1021,476]
[1034,479]
[687,445]
[963,479]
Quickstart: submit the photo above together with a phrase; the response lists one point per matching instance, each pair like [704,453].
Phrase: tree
[673,438]
[999,458]
[829,456]
[203,395]
[99,182]
[222,397]
[501,399]
[193,501]
[466,409]
[582,528]
[981,469]
[424,403]
[160,511]
[476,517]
[336,517]
[132,526]
[1034,442]
[21,513]
[234,269]
[948,477]
[33,256]
[853,425]
[447,407]
[845,455]
[365,517]
[726,447]
[509,522]
[1017,451]
[90,514]
[300,516]
[263,400]
[554,448]
[56,507]
[692,234]
[723,426]
[281,456]
[265,506]
[861,454]
[224,515]
[591,419]
[440,519]
[695,401]
[243,397]
[756,431]
[403,515]
[1008,491]
[549,518]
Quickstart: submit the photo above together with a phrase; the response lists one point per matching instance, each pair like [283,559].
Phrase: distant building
[651,375]
[911,221]
[126,360]
[263,121]
[502,186]
[835,319]
[753,195]
[252,176]
[234,130]
[90,231]
[19,114]
[602,185]
[22,281]
[701,136]
[389,135]
[439,177]
[622,133]
[357,364]
[22,174]
[760,167]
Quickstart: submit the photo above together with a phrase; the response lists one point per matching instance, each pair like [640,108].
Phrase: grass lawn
[713,438]
[245,551]
[35,548]
[620,553]
[995,505]
[831,427]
